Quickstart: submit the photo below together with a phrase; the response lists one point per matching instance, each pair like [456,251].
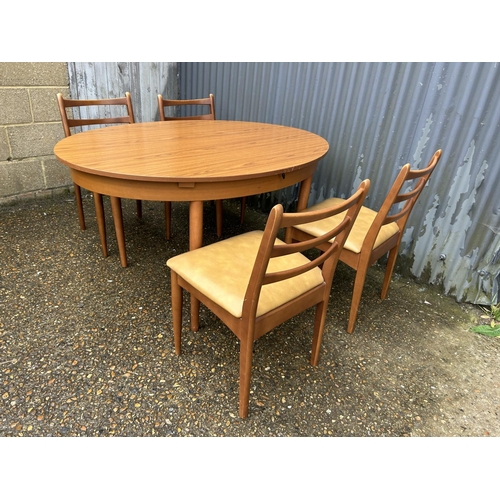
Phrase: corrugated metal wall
[377,117]
[144,81]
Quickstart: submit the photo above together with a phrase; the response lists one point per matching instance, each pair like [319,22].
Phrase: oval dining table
[189,160]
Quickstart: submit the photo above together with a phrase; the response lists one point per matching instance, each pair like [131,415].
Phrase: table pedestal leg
[116,208]
[101,224]
[195,241]
[305,189]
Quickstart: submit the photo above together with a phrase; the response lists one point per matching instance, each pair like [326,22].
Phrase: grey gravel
[86,346]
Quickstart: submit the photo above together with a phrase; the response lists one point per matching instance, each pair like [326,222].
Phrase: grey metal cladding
[377,116]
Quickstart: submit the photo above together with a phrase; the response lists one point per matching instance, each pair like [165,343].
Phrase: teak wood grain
[191,151]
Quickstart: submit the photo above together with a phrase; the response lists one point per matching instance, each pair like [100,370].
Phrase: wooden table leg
[195,224]
[219,216]
[305,189]
[116,208]
[79,206]
[168,218]
[195,241]
[101,223]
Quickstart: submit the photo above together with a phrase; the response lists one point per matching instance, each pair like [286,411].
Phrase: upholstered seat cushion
[222,271]
[358,232]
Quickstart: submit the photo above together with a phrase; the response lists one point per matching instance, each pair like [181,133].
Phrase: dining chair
[69,121]
[253,282]
[207,103]
[375,233]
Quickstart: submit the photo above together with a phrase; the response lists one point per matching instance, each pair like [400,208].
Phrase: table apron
[189,191]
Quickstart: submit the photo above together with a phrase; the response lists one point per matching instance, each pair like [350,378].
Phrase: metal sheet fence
[144,81]
[377,117]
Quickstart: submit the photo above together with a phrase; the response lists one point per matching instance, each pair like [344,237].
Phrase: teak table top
[197,151]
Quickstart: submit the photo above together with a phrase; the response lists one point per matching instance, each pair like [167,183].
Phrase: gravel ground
[86,346]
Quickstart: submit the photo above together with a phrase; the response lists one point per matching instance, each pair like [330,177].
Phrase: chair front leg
[176,310]
[359,283]
[319,326]
[246,352]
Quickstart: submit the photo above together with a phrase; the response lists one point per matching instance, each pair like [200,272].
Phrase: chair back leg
[243,205]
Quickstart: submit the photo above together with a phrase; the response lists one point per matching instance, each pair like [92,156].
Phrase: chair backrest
[207,101]
[70,122]
[326,260]
[401,198]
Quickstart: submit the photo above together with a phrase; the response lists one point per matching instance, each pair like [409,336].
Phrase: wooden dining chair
[254,281]
[207,103]
[69,121]
[374,234]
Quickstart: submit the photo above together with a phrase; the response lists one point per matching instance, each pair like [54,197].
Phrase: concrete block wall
[30,126]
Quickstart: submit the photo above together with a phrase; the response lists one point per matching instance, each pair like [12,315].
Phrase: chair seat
[359,230]
[222,272]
